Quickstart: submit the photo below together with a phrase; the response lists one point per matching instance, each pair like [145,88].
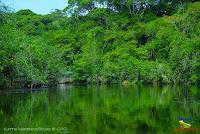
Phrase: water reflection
[101,109]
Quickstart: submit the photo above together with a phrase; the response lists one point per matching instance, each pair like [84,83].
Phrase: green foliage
[104,42]
[9,43]
[30,24]
[164,49]
[3,10]
[25,12]
[27,59]
[38,62]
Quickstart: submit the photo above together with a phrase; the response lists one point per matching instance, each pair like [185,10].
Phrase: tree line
[102,41]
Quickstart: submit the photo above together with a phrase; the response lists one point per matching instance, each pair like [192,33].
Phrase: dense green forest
[102,41]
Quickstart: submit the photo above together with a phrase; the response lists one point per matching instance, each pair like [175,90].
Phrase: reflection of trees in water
[103,109]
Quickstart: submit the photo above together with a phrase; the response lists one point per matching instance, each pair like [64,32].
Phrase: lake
[99,109]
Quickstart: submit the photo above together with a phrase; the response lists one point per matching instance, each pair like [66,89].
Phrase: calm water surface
[99,109]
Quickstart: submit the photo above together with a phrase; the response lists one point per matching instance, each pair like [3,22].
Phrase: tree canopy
[103,41]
